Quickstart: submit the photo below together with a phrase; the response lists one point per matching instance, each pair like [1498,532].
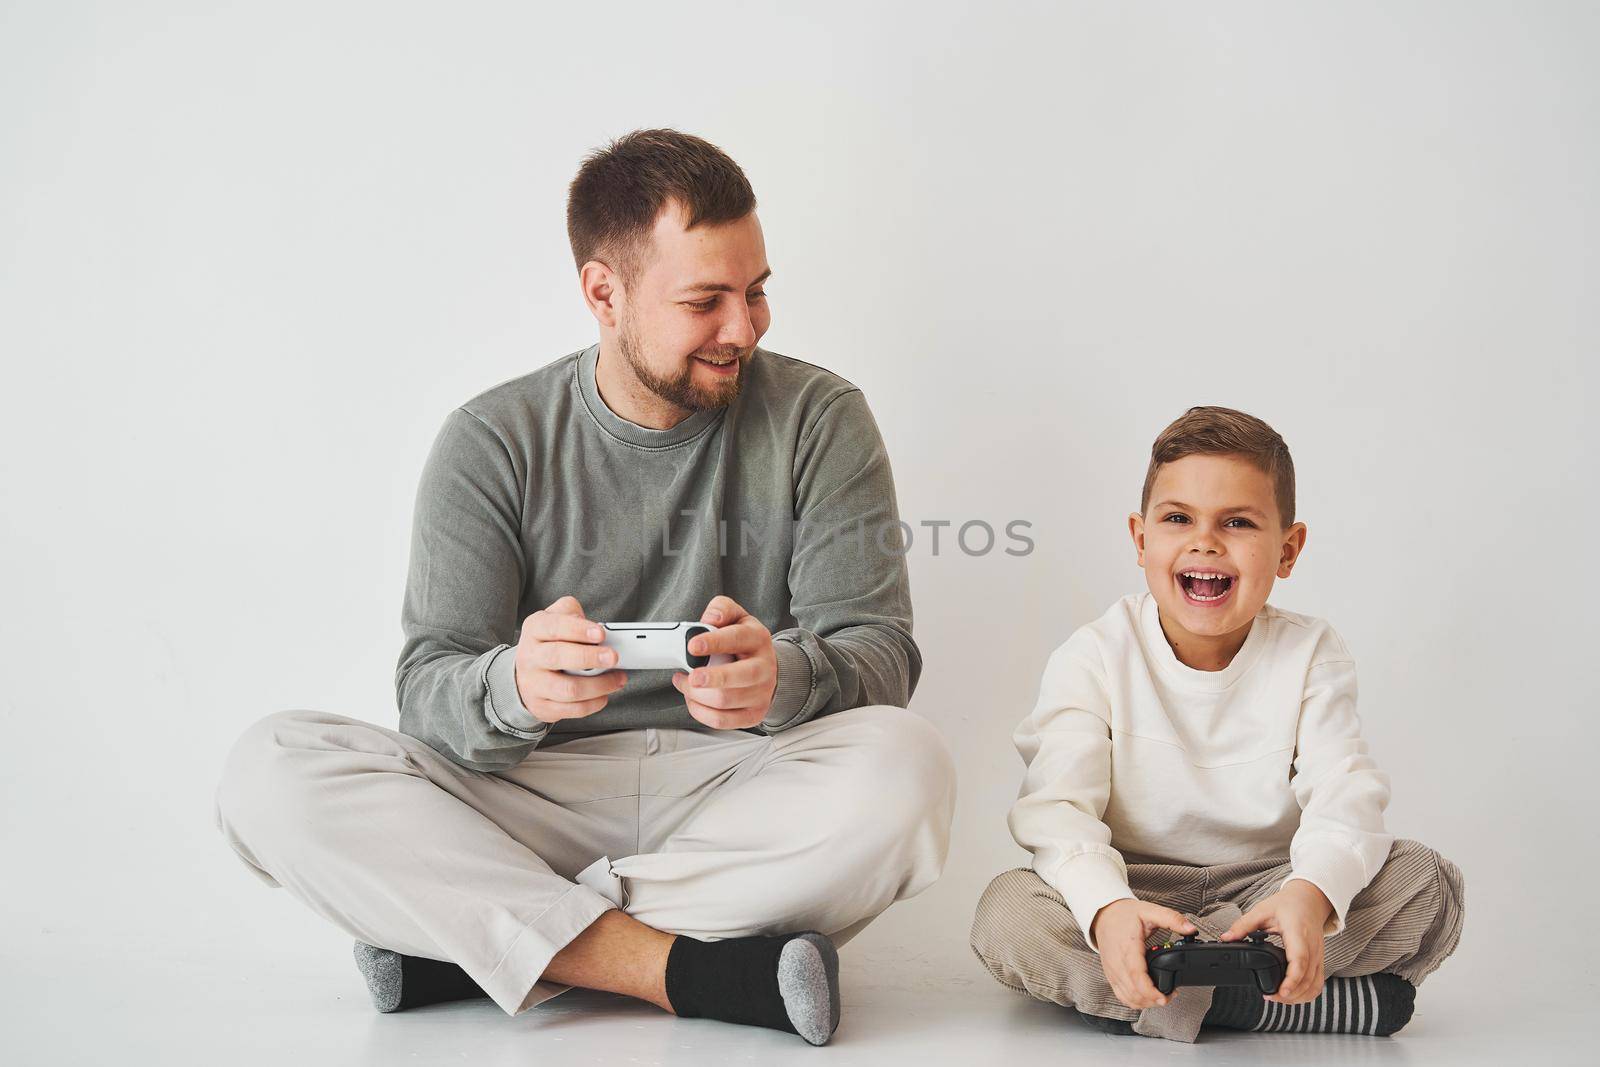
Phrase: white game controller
[654,646]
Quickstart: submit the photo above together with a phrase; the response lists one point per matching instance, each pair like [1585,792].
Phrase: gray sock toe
[808,979]
[381,969]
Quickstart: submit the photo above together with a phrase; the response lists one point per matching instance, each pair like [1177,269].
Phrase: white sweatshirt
[1129,749]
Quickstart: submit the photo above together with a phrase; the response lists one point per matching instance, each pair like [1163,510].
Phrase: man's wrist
[503,704]
[792,688]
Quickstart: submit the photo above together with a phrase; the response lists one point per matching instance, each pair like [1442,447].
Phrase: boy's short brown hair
[1214,431]
[613,202]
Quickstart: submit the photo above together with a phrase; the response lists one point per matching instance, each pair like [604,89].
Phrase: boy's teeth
[1206,585]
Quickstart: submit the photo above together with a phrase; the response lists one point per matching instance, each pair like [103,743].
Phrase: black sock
[399,982]
[1105,1025]
[788,982]
[1377,1004]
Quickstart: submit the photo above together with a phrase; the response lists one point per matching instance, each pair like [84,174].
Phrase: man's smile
[728,365]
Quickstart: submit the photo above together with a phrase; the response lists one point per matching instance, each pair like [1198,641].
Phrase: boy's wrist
[1094,925]
[1088,882]
[1313,895]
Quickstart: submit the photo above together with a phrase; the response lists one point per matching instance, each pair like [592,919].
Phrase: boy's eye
[1180,517]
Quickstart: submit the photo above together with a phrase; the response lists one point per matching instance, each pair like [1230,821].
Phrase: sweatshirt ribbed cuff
[1088,882]
[502,704]
[1336,870]
[796,682]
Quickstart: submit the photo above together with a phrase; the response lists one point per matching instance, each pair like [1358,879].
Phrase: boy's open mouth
[1205,587]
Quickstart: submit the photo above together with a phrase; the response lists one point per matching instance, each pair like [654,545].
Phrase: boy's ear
[1136,528]
[1294,543]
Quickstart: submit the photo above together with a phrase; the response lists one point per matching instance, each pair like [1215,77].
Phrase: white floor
[277,986]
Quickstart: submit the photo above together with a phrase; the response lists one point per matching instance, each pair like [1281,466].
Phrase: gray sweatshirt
[535,489]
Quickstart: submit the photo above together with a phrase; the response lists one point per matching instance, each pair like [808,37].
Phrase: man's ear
[1294,543]
[1136,528]
[602,291]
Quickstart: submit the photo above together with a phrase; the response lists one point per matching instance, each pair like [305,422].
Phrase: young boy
[1195,765]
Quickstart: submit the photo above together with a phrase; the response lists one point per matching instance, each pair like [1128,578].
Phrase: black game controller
[1190,961]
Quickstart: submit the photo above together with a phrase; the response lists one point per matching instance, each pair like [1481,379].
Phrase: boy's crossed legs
[1405,923]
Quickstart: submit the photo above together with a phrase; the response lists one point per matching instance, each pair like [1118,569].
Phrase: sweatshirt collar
[632,433]
[1159,652]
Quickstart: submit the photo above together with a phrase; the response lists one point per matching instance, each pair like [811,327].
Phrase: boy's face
[1211,542]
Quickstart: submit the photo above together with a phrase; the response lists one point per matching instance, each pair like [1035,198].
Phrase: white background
[251,255]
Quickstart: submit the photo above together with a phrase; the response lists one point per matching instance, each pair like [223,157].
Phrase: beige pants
[710,834]
[1406,921]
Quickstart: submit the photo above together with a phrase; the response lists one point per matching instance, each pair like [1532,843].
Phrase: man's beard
[681,390]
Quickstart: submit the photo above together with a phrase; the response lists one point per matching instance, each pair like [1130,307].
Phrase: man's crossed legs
[583,864]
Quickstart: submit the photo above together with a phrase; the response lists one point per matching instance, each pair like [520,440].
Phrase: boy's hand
[1119,930]
[1297,912]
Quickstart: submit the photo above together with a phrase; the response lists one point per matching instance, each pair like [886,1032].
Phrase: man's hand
[1119,930]
[560,639]
[1297,912]
[734,695]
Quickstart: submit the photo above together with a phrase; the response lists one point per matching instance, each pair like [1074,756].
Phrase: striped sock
[1376,1004]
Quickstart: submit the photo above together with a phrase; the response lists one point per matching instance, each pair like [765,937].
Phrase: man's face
[691,317]
[1211,542]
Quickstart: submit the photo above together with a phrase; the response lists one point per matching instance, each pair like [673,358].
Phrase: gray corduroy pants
[1405,922]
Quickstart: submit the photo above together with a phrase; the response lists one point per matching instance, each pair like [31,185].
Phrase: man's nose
[737,329]
[1204,540]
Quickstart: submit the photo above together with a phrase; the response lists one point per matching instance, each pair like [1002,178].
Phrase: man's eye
[701,305]
[1176,517]
[758,296]
[1247,523]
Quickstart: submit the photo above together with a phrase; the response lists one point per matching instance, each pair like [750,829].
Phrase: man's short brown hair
[620,189]
[1213,431]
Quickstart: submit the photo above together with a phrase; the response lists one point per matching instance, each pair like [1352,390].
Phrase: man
[700,840]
